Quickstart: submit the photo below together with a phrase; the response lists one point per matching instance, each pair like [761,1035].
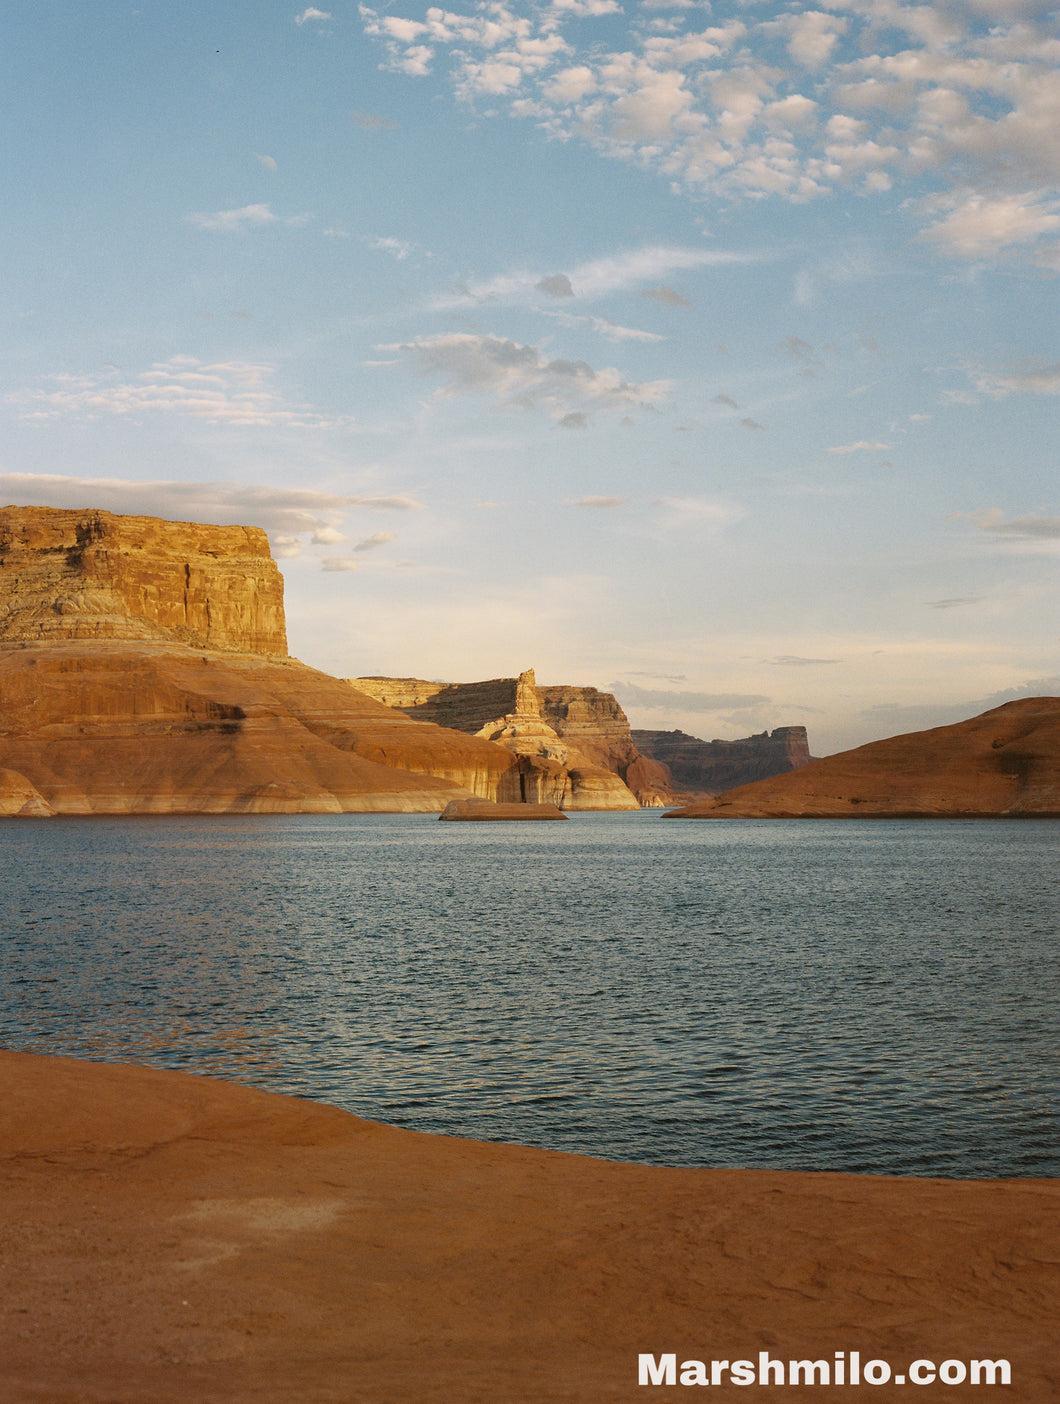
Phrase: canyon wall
[93,575]
[124,727]
[577,730]
[144,670]
[708,767]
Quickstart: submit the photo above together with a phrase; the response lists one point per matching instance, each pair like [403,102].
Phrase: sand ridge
[168,1237]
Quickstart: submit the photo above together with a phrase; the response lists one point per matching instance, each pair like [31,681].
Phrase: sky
[702,353]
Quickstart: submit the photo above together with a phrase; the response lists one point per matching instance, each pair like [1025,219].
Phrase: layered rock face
[593,723]
[93,575]
[574,742]
[127,728]
[143,670]
[1005,762]
[709,767]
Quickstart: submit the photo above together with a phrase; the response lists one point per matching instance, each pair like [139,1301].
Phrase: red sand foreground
[174,1238]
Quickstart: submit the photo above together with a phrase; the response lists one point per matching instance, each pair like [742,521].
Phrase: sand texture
[173,1238]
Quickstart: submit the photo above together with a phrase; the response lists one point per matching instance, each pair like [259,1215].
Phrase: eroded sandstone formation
[708,767]
[93,575]
[144,670]
[1005,762]
[118,727]
[574,742]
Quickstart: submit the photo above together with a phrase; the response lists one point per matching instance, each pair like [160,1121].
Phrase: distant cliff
[576,730]
[1005,762]
[92,575]
[709,767]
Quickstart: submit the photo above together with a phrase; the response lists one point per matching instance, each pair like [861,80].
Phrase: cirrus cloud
[238,393]
[247,217]
[1032,380]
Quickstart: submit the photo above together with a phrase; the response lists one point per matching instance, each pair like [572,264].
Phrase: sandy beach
[174,1238]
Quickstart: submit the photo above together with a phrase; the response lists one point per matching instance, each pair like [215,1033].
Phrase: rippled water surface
[858,995]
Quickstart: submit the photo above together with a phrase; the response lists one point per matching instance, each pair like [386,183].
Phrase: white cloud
[860,446]
[520,375]
[590,8]
[337,563]
[239,221]
[867,93]
[981,225]
[287,514]
[603,326]
[599,278]
[311,14]
[370,543]
[570,85]
[1035,380]
[813,36]
[396,248]
[230,392]
[598,502]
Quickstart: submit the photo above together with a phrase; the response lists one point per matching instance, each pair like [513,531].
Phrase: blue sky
[702,353]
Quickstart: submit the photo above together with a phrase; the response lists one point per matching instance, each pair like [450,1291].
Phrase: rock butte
[1005,762]
[92,575]
[144,670]
[699,768]
[576,739]
[170,1238]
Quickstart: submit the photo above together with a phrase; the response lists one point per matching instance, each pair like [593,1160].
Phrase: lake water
[875,996]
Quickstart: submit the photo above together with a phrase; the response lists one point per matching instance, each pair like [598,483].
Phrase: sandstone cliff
[709,767]
[143,670]
[129,728]
[574,742]
[1004,762]
[93,575]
